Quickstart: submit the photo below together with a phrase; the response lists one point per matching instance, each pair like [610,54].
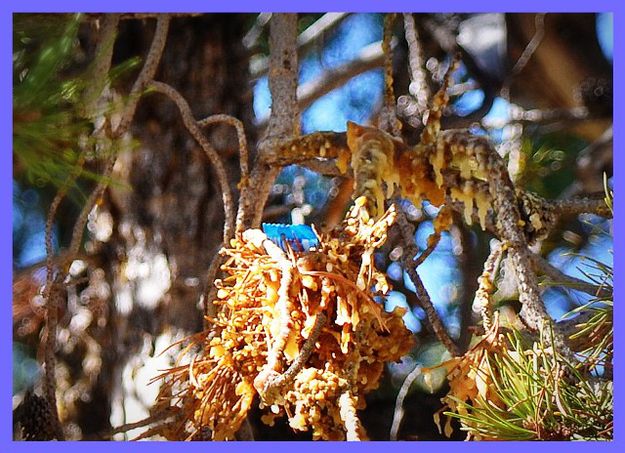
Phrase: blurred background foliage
[51,60]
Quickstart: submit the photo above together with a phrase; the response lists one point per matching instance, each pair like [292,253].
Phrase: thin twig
[418,86]
[146,75]
[307,349]
[51,296]
[398,413]
[162,415]
[541,265]
[243,151]
[193,127]
[432,242]
[422,295]
[388,118]
[530,49]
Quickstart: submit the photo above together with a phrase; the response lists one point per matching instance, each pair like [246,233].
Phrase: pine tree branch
[542,266]
[388,116]
[410,249]
[284,122]
[144,77]
[370,57]
[147,73]
[305,40]
[243,151]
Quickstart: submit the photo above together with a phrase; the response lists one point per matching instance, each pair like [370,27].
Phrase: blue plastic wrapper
[300,238]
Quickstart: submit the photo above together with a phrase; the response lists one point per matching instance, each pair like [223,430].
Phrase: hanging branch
[51,294]
[213,269]
[243,152]
[52,291]
[213,157]
[146,75]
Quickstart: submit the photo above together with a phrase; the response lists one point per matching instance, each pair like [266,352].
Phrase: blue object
[300,238]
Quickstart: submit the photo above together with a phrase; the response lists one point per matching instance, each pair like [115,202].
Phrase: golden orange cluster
[262,326]
[382,165]
[471,378]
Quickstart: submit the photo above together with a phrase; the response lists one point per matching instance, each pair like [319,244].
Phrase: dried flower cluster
[469,379]
[515,386]
[301,329]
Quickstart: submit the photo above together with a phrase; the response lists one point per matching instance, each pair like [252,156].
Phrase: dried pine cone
[35,417]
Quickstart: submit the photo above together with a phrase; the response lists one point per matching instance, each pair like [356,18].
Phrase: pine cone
[35,417]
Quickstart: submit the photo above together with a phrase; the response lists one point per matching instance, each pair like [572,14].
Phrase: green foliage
[46,122]
[51,130]
[595,336]
[537,394]
[550,163]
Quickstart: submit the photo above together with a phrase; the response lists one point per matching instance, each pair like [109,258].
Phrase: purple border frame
[7,7]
